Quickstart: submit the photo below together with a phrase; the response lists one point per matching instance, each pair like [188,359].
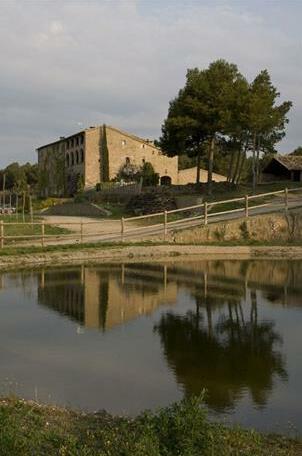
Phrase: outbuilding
[284,167]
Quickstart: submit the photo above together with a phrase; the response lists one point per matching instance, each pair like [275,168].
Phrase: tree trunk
[230,171]
[258,162]
[243,159]
[254,162]
[198,166]
[210,164]
[237,165]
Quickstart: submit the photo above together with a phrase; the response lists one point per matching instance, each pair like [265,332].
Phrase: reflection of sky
[117,370]
[283,410]
[124,369]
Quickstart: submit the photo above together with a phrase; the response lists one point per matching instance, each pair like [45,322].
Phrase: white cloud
[107,61]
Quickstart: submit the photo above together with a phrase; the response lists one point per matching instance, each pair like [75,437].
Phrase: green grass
[117,210]
[27,428]
[99,246]
[19,229]
[242,190]
[27,250]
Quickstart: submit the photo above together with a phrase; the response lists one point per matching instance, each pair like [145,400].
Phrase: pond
[134,336]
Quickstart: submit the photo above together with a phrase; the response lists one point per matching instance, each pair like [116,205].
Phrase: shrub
[149,177]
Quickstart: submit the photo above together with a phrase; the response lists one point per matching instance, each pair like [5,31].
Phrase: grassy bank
[182,429]
[99,246]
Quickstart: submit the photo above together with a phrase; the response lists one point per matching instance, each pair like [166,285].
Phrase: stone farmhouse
[96,154]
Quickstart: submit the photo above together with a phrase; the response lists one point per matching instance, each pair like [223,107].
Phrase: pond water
[134,336]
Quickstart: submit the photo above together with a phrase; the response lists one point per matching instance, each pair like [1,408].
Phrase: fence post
[122,228]
[165,224]
[2,233]
[81,231]
[286,199]
[246,206]
[42,232]
[205,213]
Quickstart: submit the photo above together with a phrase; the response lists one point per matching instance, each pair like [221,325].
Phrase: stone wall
[266,228]
[92,157]
[51,162]
[122,145]
[188,176]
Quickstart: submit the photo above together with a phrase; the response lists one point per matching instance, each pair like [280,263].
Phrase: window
[82,139]
[71,143]
[67,160]
[77,157]
[72,159]
[123,142]
[82,156]
[127,161]
[143,146]
[77,140]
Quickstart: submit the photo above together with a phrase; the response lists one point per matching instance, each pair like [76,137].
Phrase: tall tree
[297,151]
[202,112]
[182,131]
[266,120]
[104,159]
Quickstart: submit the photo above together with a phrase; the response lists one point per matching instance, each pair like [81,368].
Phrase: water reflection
[232,327]
[228,357]
[105,297]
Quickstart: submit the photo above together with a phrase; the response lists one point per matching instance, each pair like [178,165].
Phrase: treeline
[19,178]
[221,117]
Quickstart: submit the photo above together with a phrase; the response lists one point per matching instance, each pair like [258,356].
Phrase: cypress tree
[104,156]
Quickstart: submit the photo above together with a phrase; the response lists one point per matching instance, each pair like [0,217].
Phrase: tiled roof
[290,162]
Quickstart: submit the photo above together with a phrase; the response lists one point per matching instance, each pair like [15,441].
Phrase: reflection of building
[104,297]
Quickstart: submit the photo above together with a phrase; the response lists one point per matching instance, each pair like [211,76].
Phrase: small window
[72,159]
[82,156]
[127,160]
[67,160]
[143,146]
[144,160]
[82,139]
[71,143]
[123,142]
[77,140]
[77,157]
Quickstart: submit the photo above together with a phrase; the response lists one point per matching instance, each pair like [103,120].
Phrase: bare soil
[149,253]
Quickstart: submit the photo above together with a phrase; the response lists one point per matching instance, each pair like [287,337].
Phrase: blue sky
[69,64]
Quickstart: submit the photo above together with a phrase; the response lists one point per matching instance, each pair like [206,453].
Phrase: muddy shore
[118,254]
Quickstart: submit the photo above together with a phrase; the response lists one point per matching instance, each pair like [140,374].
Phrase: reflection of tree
[103,300]
[226,357]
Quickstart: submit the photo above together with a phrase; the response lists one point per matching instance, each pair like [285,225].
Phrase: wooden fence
[139,226]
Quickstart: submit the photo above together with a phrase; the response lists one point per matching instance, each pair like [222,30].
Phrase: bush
[149,177]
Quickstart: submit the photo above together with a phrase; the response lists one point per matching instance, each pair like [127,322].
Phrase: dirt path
[110,230]
[90,225]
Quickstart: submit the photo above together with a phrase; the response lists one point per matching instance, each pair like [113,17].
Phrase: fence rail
[39,232]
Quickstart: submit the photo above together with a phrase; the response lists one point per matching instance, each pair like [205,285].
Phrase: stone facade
[76,161]
[188,176]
